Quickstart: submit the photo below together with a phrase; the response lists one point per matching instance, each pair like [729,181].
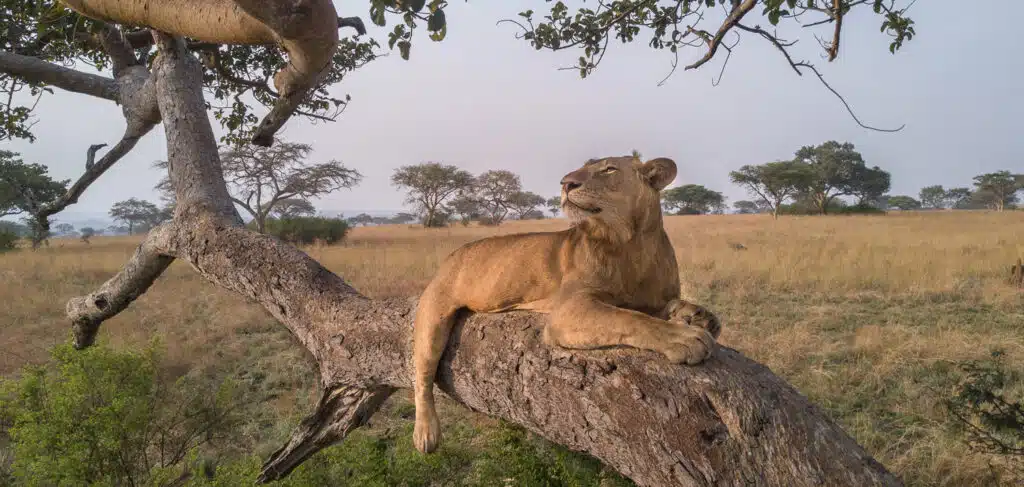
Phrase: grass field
[863,314]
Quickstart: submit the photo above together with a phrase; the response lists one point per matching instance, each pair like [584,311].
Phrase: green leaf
[403,49]
[416,5]
[436,21]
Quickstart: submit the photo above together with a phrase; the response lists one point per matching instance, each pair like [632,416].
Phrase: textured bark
[728,421]
[306,29]
[40,71]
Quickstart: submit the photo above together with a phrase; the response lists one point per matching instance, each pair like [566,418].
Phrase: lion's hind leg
[581,321]
[435,316]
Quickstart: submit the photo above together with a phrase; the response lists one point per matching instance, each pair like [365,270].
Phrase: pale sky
[482,99]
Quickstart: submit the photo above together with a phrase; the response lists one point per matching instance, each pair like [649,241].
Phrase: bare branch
[738,11]
[837,14]
[150,260]
[39,71]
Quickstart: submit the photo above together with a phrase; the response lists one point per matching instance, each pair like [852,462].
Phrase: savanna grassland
[866,315]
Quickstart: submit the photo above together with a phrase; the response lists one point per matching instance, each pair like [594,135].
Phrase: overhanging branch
[38,71]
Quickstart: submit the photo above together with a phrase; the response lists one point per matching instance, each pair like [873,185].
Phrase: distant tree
[998,190]
[429,185]
[523,203]
[554,205]
[745,207]
[836,169]
[869,184]
[403,218]
[293,207]
[933,197]
[496,189]
[467,207]
[87,233]
[904,203]
[361,219]
[958,197]
[64,228]
[637,154]
[774,182]
[259,178]
[134,212]
[692,199]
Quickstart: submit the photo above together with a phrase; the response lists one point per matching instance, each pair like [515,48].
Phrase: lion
[610,279]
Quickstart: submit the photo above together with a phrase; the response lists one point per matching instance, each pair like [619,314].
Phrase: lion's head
[621,194]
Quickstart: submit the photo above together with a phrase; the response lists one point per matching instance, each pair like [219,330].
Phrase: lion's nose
[573,180]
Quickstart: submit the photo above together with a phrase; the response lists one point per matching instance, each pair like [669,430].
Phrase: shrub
[8,240]
[102,417]
[307,229]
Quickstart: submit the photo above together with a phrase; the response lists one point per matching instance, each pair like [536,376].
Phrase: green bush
[307,229]
[8,240]
[102,417]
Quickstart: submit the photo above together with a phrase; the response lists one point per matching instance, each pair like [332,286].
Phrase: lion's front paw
[692,314]
[426,435]
[686,345]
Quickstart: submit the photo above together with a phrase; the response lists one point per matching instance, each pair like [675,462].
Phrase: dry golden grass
[860,313]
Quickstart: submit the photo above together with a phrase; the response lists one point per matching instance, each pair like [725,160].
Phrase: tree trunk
[728,421]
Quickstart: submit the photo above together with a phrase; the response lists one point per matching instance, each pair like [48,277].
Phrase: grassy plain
[863,314]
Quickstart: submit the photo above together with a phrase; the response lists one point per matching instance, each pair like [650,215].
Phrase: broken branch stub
[729,421]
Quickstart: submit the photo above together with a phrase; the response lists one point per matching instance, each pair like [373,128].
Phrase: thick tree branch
[150,260]
[39,71]
[837,14]
[729,421]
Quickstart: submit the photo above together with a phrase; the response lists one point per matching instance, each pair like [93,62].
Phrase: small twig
[734,17]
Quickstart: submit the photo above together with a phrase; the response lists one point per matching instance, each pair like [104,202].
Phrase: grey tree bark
[729,421]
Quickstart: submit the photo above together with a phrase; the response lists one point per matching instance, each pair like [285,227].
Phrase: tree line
[277,183]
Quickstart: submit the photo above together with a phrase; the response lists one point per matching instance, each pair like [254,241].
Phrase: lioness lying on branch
[611,279]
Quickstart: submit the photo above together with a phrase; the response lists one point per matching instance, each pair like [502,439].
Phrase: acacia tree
[958,197]
[933,197]
[554,205]
[834,168]
[429,185]
[904,203]
[772,182]
[725,422]
[466,206]
[496,189]
[133,212]
[523,203]
[292,208]
[998,190]
[869,185]
[745,207]
[260,178]
[692,199]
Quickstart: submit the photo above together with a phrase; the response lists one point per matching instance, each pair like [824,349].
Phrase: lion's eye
[609,170]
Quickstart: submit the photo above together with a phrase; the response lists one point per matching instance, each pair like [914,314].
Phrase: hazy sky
[482,99]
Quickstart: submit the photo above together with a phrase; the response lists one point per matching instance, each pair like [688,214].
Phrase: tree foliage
[100,417]
[554,204]
[745,207]
[933,197]
[292,208]
[904,203]
[24,187]
[429,185]
[998,190]
[496,189]
[525,203]
[135,212]
[773,182]
[692,199]
[837,169]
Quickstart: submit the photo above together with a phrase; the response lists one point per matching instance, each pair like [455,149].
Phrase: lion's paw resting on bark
[610,279]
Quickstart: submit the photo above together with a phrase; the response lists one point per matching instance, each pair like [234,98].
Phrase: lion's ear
[659,172]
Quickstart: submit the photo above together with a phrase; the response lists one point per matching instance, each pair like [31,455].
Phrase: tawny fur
[610,279]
